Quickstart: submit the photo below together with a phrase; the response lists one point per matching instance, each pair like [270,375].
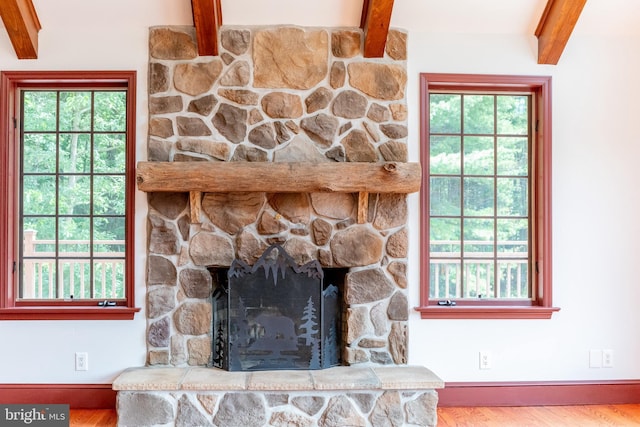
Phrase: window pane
[513,237]
[514,279]
[39,111]
[444,155]
[513,156]
[75,277]
[479,237]
[75,111]
[39,235]
[108,279]
[109,153]
[513,118]
[81,278]
[39,153]
[109,235]
[39,195]
[478,279]
[75,197]
[38,258]
[445,196]
[513,252]
[110,111]
[445,237]
[108,195]
[478,155]
[513,197]
[38,278]
[75,153]
[446,279]
[75,235]
[478,196]
[478,114]
[444,113]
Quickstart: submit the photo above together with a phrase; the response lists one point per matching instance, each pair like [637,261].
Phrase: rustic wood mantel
[279,177]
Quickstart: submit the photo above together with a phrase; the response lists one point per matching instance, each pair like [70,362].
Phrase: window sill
[486,312]
[68,313]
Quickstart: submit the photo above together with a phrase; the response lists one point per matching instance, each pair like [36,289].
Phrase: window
[66,229]
[486,196]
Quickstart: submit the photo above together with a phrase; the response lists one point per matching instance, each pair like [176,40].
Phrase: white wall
[83,35]
[596,150]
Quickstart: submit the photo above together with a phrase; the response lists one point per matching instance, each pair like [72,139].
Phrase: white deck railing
[448,279]
[475,277]
[39,279]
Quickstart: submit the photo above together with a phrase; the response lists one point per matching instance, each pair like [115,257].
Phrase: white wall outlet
[485,360]
[82,361]
[595,358]
[607,358]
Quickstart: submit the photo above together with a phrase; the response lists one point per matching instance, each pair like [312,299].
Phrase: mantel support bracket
[363,206]
[195,205]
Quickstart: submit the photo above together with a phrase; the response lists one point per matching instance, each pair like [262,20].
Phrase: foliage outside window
[485,200]
[70,233]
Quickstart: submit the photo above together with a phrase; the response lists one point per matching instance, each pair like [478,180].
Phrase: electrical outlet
[595,358]
[607,358]
[485,360]
[82,361]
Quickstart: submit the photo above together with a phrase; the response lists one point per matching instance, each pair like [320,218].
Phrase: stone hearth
[340,396]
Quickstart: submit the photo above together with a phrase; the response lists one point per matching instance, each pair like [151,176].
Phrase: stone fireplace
[281,94]
[278,95]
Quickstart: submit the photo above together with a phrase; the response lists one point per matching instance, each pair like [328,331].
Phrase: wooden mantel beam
[207,18]
[376,16]
[279,177]
[275,177]
[555,27]
[22,24]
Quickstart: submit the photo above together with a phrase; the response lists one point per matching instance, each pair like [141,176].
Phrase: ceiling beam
[22,24]
[207,18]
[555,27]
[376,15]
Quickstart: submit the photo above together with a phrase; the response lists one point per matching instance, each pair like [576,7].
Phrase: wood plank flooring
[541,416]
[93,418]
[530,416]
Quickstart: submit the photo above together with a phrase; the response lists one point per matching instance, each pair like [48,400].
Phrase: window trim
[10,84]
[540,307]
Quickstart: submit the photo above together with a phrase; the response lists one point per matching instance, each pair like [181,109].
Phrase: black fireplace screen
[276,315]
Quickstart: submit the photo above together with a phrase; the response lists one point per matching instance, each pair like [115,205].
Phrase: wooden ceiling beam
[207,18]
[376,16]
[22,24]
[555,27]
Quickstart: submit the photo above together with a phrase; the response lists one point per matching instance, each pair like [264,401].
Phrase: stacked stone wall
[257,409]
[281,94]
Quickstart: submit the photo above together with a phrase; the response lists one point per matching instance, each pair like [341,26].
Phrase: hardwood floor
[530,416]
[93,418]
[541,416]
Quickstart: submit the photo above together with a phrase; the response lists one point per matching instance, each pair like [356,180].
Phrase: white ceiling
[613,17]
[602,17]
[439,16]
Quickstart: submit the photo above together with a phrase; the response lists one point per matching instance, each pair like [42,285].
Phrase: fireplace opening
[276,314]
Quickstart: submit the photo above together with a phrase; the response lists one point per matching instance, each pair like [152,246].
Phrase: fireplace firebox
[276,314]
